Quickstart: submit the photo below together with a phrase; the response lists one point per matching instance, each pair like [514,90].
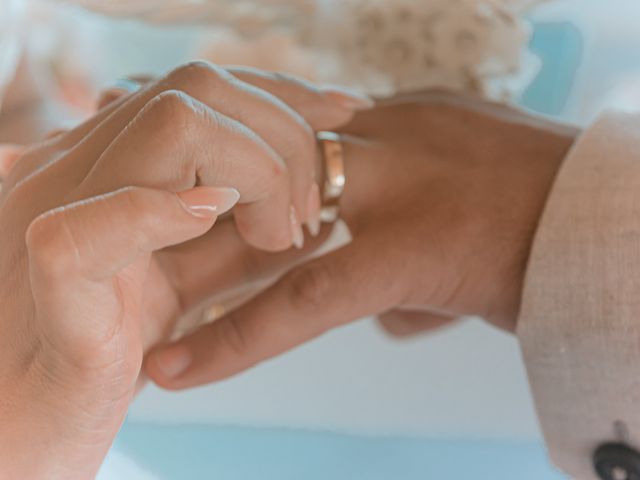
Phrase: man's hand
[443,198]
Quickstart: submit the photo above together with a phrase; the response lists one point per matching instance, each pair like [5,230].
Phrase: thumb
[342,286]
[75,252]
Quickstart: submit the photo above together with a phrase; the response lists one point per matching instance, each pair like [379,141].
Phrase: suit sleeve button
[616,461]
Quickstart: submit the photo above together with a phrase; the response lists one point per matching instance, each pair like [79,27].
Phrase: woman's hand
[443,197]
[83,217]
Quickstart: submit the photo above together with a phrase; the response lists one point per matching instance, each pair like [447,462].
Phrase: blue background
[198,452]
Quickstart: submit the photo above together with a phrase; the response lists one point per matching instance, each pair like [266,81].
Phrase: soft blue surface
[197,452]
[560,47]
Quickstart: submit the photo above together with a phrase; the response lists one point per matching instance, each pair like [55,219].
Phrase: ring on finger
[334,174]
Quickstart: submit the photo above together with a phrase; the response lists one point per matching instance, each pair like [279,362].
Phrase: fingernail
[173,361]
[209,202]
[348,98]
[296,229]
[313,210]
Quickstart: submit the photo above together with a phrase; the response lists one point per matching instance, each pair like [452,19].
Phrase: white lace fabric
[380,46]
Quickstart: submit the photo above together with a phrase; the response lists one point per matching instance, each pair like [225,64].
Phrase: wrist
[37,445]
[558,144]
[65,429]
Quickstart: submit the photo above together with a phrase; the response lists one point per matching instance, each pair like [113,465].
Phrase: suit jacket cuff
[579,325]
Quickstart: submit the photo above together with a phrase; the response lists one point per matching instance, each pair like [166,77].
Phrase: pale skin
[443,200]
[84,218]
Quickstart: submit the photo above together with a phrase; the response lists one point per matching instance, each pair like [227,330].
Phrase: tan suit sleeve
[580,320]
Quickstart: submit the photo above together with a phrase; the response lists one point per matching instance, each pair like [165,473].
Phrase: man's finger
[347,284]
[221,260]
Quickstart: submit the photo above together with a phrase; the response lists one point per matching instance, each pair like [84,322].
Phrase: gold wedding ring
[334,175]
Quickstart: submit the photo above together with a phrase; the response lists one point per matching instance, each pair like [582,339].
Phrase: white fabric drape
[381,46]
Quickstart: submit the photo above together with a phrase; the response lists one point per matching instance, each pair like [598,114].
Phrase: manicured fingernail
[209,202]
[296,229]
[347,98]
[313,210]
[173,361]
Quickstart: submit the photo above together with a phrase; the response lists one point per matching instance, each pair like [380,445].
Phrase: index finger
[327,292]
[323,107]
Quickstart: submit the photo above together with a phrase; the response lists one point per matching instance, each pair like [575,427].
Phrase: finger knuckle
[50,243]
[174,119]
[198,75]
[172,109]
[310,286]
